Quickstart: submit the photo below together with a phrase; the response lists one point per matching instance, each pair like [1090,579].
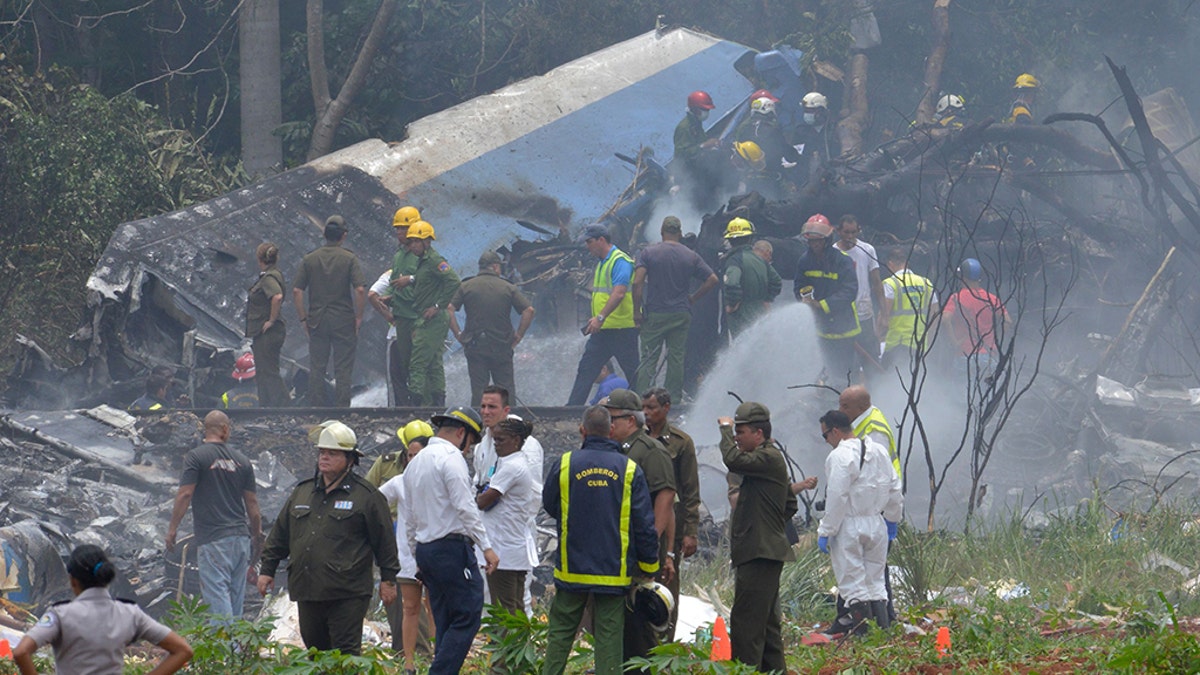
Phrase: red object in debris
[722,650]
[814,639]
[943,641]
[5,650]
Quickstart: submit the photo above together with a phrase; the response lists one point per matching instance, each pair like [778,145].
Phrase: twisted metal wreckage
[494,170]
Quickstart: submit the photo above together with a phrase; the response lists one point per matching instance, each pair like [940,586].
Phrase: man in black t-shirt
[218,482]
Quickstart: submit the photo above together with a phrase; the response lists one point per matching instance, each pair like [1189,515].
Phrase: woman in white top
[410,589]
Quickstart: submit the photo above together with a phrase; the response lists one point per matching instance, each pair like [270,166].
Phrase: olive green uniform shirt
[401,301]
[332,540]
[682,451]
[384,469]
[487,299]
[435,282]
[330,274]
[652,457]
[764,505]
[258,300]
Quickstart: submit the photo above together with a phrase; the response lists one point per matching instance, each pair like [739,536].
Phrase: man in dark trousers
[611,331]
[656,406]
[337,294]
[629,429]
[489,339]
[825,281]
[606,538]
[662,303]
[334,530]
[218,481]
[758,539]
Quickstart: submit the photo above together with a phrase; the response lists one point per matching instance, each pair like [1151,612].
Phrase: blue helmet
[971,270]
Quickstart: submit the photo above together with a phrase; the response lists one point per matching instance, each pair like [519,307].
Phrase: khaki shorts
[405,581]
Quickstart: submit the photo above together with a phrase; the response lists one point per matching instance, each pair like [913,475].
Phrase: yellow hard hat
[739,227]
[1025,81]
[405,216]
[750,152]
[414,430]
[421,230]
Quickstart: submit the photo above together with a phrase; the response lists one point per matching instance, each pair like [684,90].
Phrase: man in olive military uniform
[488,339]
[400,303]
[629,429]
[334,527]
[758,540]
[750,283]
[435,283]
[656,405]
[337,294]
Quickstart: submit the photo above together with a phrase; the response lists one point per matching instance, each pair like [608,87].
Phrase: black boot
[852,621]
[883,619]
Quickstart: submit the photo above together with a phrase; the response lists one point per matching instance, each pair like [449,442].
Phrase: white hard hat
[950,101]
[762,105]
[338,436]
[815,99]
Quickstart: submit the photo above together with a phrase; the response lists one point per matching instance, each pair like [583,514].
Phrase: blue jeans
[450,572]
[223,565]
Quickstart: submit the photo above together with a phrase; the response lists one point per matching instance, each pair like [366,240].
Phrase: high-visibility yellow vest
[602,288]
[911,297]
[875,421]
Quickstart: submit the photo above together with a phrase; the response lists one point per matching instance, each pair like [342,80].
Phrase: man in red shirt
[973,314]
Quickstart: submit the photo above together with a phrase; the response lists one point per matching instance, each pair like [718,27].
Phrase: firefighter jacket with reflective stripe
[874,421]
[834,287]
[911,296]
[602,288]
[606,532]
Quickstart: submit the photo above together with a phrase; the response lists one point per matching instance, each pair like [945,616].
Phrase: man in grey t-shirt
[662,305]
[218,482]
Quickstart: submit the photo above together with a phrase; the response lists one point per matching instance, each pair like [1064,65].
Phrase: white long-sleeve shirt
[439,497]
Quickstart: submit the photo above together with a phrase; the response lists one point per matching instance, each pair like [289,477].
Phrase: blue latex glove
[892,528]
[823,544]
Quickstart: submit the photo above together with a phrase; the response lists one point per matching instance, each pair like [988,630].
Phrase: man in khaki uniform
[488,339]
[758,539]
[656,406]
[629,429]
[337,293]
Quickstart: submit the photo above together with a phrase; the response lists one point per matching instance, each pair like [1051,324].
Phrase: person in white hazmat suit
[863,504]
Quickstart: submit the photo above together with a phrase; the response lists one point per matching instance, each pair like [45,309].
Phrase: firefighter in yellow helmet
[435,283]
[1025,91]
[749,283]
[394,302]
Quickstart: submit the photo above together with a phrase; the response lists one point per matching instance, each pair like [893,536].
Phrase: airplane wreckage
[506,171]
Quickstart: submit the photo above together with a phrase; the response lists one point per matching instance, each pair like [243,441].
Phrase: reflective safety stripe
[850,333]
[156,406]
[563,571]
[602,288]
[818,274]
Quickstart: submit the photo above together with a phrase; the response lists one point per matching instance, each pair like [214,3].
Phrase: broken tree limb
[936,61]
[850,129]
[1121,359]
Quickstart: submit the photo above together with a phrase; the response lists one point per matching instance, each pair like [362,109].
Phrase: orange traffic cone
[722,650]
[5,650]
[943,641]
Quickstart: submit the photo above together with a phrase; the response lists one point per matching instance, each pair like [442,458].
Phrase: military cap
[751,412]
[489,258]
[623,399]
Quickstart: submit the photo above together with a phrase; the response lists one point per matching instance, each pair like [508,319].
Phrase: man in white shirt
[443,526]
[494,408]
[870,288]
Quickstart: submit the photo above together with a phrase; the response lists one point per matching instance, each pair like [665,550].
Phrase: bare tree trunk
[850,129]
[260,85]
[937,59]
[330,112]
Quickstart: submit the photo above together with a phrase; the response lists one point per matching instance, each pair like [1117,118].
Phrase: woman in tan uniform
[89,634]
